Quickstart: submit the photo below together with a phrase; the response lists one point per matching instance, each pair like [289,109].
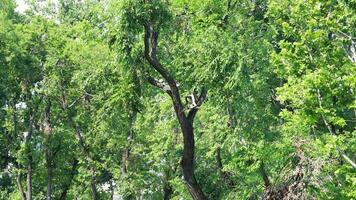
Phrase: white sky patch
[41,5]
[21,6]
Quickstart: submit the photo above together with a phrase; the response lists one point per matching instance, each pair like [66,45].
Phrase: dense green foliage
[83,114]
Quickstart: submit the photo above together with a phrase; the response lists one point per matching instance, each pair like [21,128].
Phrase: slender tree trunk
[18,177]
[264,175]
[126,153]
[85,150]
[167,187]
[112,189]
[231,124]
[29,178]
[94,192]
[47,130]
[19,185]
[29,156]
[78,134]
[67,185]
[225,175]
[49,179]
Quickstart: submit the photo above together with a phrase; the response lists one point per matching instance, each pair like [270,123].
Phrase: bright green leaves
[312,61]
[281,88]
[134,14]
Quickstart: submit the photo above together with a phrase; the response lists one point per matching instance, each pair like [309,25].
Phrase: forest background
[178,99]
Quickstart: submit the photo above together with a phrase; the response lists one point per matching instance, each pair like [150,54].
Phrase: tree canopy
[178,99]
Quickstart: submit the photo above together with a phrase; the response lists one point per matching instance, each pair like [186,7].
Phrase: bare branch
[151,37]
[76,100]
[159,84]
[333,133]
[150,41]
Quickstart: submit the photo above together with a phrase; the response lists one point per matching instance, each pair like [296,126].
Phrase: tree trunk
[225,176]
[67,185]
[231,124]
[167,187]
[47,130]
[94,192]
[167,191]
[19,185]
[126,153]
[264,175]
[85,150]
[29,178]
[185,121]
[17,165]
[80,139]
[188,160]
[29,157]
[49,166]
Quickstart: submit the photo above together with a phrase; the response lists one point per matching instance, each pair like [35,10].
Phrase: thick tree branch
[150,41]
[151,37]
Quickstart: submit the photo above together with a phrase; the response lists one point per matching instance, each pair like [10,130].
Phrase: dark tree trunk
[167,191]
[112,189]
[231,124]
[188,160]
[264,175]
[167,187]
[85,150]
[185,121]
[29,177]
[124,160]
[126,153]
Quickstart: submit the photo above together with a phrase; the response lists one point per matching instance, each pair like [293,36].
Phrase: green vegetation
[178,99]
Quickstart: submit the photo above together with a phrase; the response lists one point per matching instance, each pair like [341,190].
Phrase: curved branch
[187,162]
[150,41]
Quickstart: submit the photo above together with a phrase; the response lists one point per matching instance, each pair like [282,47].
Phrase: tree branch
[193,111]
[151,37]
[150,41]
[319,98]
[159,84]
[264,175]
